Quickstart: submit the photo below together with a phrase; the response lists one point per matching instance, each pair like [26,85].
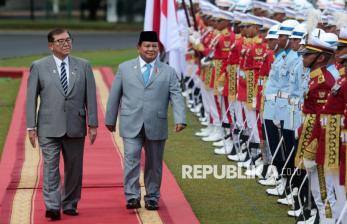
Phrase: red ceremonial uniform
[253,60]
[320,84]
[233,66]
[221,51]
[329,129]
[203,47]
[242,85]
[269,58]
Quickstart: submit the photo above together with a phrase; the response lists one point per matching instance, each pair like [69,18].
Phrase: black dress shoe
[133,203]
[72,212]
[53,214]
[151,205]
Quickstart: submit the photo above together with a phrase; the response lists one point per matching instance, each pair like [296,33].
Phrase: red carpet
[102,195]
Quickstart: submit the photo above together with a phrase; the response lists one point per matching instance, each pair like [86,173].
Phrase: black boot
[265,168]
[233,151]
[202,112]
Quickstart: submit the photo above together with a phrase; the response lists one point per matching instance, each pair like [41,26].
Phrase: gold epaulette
[318,73]
[257,40]
[342,71]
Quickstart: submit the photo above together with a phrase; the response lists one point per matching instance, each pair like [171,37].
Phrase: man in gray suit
[140,94]
[67,92]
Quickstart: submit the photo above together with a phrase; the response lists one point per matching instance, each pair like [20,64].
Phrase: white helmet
[300,5]
[244,5]
[299,31]
[331,39]
[287,27]
[317,32]
[320,41]
[272,33]
[323,4]
[337,4]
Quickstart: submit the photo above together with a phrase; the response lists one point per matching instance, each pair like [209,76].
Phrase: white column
[55,6]
[112,11]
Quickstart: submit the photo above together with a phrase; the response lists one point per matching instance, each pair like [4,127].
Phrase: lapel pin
[54,71]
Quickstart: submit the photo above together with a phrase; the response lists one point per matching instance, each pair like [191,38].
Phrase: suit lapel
[54,72]
[138,72]
[156,71]
[72,74]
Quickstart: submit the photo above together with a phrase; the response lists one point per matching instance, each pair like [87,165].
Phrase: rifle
[186,13]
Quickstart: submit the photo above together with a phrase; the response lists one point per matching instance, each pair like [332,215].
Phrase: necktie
[147,73]
[63,77]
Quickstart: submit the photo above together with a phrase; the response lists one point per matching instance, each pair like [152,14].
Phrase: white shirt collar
[143,63]
[58,61]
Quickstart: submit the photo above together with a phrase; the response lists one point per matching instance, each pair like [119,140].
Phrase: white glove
[309,164]
[277,123]
[205,62]
[192,39]
[296,134]
[191,30]
[196,35]
[197,41]
[190,51]
[242,74]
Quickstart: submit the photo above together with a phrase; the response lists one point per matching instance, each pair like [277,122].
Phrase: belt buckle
[290,101]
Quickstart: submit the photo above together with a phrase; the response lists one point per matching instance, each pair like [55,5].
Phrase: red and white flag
[160,16]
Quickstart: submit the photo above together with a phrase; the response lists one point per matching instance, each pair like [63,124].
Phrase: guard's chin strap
[275,48]
[287,43]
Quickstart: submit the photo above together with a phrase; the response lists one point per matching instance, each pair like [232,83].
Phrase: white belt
[324,121]
[293,100]
[270,97]
[282,95]
[343,136]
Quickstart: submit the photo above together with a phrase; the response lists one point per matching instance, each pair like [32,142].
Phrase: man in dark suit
[66,88]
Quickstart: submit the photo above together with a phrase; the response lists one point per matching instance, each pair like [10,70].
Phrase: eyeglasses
[61,42]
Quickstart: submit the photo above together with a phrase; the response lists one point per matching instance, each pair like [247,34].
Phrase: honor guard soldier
[254,53]
[331,154]
[316,55]
[276,99]
[269,58]
[218,52]
[341,49]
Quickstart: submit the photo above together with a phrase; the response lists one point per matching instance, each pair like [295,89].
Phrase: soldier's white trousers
[238,114]
[337,196]
[313,174]
[252,124]
[315,189]
[214,108]
[227,108]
